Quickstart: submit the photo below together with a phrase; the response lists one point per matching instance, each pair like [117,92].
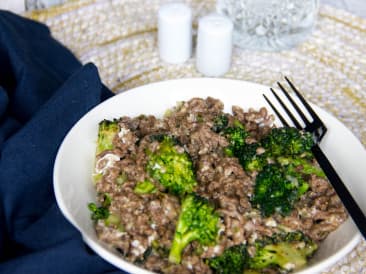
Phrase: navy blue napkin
[44,90]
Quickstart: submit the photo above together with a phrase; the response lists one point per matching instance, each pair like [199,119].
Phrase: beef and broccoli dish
[200,190]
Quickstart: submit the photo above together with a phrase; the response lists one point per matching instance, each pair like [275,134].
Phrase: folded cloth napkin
[44,90]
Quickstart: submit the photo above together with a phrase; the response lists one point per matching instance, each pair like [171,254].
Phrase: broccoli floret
[100,212]
[106,132]
[282,158]
[277,188]
[246,153]
[280,143]
[220,123]
[236,135]
[304,166]
[159,137]
[172,168]
[145,187]
[250,159]
[197,221]
[282,251]
[283,167]
[287,251]
[121,178]
[287,141]
[232,261]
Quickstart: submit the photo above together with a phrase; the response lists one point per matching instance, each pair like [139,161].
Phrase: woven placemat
[120,38]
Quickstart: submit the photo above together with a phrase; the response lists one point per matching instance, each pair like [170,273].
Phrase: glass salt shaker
[270,25]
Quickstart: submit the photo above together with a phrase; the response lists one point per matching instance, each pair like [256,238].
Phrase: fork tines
[316,126]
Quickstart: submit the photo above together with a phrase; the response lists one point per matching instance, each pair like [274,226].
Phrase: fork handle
[346,197]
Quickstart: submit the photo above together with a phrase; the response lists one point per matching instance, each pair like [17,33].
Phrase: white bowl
[75,159]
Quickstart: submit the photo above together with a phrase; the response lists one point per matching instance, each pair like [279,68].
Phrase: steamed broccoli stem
[179,244]
[233,260]
[112,220]
[121,179]
[277,189]
[287,251]
[197,221]
[107,130]
[171,168]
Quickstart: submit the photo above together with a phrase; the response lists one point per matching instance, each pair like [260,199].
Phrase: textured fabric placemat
[120,38]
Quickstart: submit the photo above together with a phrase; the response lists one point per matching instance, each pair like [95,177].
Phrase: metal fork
[318,129]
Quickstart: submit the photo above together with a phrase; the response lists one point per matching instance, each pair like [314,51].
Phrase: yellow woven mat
[119,36]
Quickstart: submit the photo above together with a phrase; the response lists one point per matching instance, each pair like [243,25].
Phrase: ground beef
[148,221]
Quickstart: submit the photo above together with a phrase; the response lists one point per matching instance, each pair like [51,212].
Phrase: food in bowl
[204,191]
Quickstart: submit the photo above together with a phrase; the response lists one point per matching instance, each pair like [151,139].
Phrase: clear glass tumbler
[270,25]
[41,4]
